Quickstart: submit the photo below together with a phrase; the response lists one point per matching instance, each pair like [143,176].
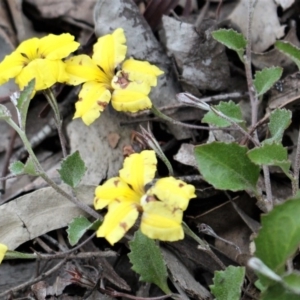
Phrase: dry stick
[254,100]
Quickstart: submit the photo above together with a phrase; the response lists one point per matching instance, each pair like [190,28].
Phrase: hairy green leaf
[227,166]
[278,292]
[227,284]
[72,169]
[229,109]
[271,155]
[292,282]
[280,119]
[16,168]
[4,113]
[232,40]
[148,261]
[78,227]
[266,78]
[290,50]
[279,237]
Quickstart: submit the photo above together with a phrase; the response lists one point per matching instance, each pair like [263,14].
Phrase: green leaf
[280,119]
[229,109]
[78,227]
[72,169]
[227,284]
[16,168]
[290,50]
[148,261]
[23,103]
[279,237]
[266,78]
[278,292]
[232,40]
[292,282]
[271,155]
[4,113]
[227,166]
[29,168]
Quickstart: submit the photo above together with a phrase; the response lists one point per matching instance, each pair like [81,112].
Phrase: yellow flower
[127,89]
[3,249]
[161,206]
[40,59]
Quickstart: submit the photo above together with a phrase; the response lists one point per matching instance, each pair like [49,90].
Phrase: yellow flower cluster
[42,59]
[128,89]
[127,86]
[161,206]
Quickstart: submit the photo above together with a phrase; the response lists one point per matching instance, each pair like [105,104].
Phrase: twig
[32,281]
[253,98]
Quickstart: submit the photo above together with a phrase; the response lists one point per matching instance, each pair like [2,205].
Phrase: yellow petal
[3,249]
[55,47]
[93,98]
[11,66]
[174,192]
[162,223]
[114,189]
[82,68]
[109,51]
[121,82]
[119,219]
[130,101]
[139,169]
[45,72]
[141,71]
[28,49]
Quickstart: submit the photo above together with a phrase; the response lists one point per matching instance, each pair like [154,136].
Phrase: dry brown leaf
[39,212]
[113,139]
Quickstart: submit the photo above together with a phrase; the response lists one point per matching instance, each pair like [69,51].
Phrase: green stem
[161,115]
[58,122]
[43,174]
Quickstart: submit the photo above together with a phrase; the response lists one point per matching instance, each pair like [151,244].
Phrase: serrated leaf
[279,236]
[278,292]
[229,109]
[16,168]
[72,169]
[271,155]
[290,50]
[78,227]
[232,40]
[227,284]
[280,119]
[148,261]
[23,103]
[4,113]
[266,78]
[227,166]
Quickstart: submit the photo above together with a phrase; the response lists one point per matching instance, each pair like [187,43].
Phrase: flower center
[122,79]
